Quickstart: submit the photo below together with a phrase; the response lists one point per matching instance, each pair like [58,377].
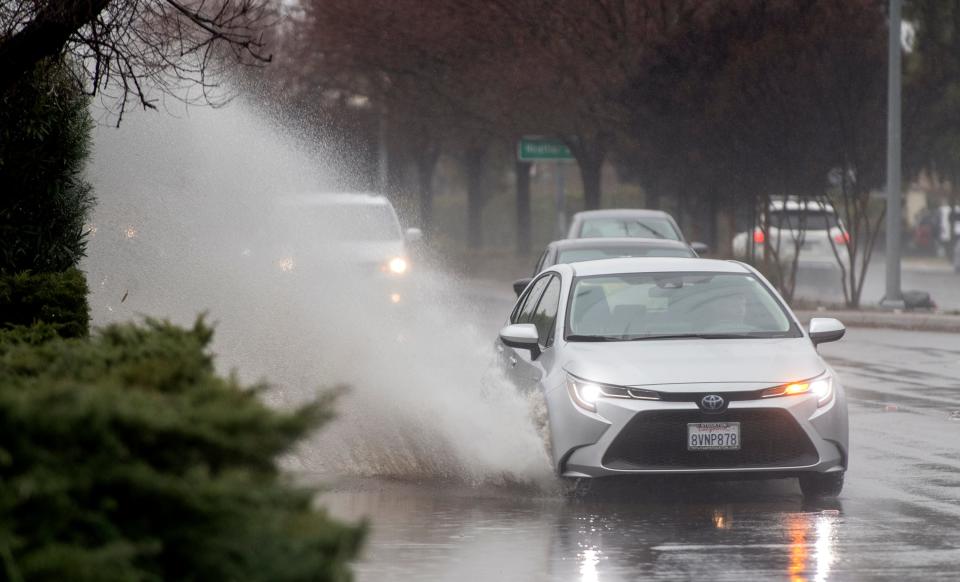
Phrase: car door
[530,366]
[522,313]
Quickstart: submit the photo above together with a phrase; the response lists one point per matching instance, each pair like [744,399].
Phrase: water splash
[180,228]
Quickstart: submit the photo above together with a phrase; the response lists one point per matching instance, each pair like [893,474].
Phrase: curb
[911,321]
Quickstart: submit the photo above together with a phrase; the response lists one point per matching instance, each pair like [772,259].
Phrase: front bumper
[360,284]
[785,435]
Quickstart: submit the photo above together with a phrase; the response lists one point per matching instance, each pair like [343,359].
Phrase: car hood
[364,252]
[694,361]
[345,253]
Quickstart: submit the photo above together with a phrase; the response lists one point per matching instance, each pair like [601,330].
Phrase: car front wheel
[821,484]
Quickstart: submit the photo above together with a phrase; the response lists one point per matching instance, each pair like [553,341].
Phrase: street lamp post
[893,297]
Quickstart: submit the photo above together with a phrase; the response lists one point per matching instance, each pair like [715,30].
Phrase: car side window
[515,314]
[525,313]
[516,309]
[539,266]
[545,314]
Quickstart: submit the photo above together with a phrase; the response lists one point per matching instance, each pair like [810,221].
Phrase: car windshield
[809,220]
[343,222]
[649,227]
[674,305]
[577,255]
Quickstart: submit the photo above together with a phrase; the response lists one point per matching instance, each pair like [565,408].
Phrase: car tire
[576,488]
[816,485]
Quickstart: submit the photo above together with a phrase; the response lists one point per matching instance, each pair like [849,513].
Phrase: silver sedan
[664,365]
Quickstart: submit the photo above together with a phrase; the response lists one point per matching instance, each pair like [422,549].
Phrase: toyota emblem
[712,402]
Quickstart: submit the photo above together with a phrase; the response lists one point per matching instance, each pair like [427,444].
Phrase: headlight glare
[398,265]
[796,388]
[586,394]
[821,387]
[590,393]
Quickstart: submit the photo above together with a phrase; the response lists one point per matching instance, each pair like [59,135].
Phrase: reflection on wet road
[668,530]
[896,519]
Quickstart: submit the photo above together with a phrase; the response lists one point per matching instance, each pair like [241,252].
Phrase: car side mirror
[412,235]
[523,336]
[825,329]
[520,284]
[700,248]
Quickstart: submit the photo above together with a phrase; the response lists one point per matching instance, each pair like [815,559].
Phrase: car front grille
[769,438]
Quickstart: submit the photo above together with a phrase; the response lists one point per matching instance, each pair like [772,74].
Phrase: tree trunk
[952,216]
[590,153]
[426,161]
[726,230]
[523,208]
[590,174]
[710,220]
[44,36]
[651,197]
[474,164]
[681,199]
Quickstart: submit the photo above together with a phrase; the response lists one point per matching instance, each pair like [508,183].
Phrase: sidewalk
[921,264]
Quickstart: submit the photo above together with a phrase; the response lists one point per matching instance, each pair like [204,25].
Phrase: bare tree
[852,201]
[128,48]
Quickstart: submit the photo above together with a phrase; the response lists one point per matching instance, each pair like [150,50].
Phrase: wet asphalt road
[898,517]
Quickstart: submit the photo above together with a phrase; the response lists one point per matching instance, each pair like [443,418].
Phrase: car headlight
[585,394]
[821,387]
[398,265]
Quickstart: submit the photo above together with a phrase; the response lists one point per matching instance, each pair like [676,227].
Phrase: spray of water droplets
[184,225]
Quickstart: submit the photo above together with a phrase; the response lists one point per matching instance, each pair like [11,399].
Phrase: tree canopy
[128,48]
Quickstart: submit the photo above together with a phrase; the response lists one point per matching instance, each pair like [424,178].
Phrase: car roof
[607,242]
[793,204]
[334,199]
[655,265]
[619,212]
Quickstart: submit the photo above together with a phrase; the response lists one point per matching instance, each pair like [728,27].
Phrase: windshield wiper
[692,336]
[594,338]
[668,336]
[649,229]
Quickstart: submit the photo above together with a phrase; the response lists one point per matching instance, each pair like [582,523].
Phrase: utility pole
[893,297]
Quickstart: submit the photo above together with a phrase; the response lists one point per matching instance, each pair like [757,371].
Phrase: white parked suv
[812,226]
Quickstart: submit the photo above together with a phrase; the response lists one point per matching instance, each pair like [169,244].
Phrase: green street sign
[533,149]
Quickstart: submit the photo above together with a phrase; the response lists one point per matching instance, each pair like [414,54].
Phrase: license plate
[713,436]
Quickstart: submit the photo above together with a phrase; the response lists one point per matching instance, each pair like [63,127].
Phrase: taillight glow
[758,236]
[842,238]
